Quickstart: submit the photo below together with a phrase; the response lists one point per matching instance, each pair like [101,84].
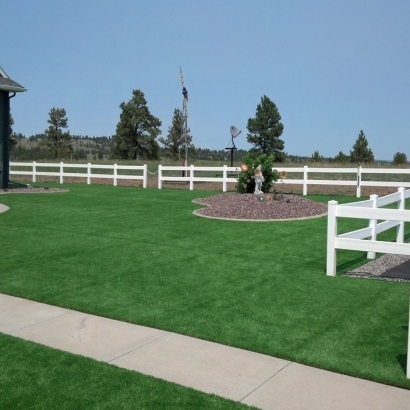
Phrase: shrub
[246,180]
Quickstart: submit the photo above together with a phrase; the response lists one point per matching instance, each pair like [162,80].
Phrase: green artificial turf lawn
[37,377]
[140,255]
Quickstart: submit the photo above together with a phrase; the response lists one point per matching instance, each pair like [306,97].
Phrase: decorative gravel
[249,207]
[31,190]
[377,267]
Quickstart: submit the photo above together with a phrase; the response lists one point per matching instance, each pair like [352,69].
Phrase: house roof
[7,84]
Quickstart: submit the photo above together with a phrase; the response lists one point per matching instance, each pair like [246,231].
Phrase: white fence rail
[188,175]
[369,209]
[191,174]
[356,181]
[88,168]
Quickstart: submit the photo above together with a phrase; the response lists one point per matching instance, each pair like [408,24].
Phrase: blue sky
[333,68]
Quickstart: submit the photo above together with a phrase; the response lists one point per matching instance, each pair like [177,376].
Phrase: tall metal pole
[186,138]
[185,113]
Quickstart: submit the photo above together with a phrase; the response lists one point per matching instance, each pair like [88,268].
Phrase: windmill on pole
[185,114]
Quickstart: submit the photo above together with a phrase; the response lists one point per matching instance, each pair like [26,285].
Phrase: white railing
[370,210]
[354,240]
[189,175]
[357,181]
[88,174]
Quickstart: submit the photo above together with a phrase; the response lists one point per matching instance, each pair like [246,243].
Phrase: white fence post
[224,176]
[115,175]
[373,226]
[331,236]
[61,172]
[400,227]
[145,175]
[159,176]
[359,181]
[34,171]
[89,173]
[191,178]
[305,177]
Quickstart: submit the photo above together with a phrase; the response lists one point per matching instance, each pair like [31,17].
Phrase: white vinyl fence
[355,240]
[187,174]
[37,169]
[369,209]
[357,174]
[223,174]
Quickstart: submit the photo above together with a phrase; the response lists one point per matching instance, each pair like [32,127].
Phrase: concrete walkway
[251,378]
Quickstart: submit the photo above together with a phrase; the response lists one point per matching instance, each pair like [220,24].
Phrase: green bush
[246,180]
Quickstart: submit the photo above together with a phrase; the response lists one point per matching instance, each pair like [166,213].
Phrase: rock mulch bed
[249,207]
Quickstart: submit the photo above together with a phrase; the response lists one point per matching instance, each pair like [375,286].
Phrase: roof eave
[12,89]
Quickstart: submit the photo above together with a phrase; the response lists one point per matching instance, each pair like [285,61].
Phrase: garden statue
[258,180]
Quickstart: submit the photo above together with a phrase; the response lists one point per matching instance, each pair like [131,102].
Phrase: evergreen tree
[137,130]
[316,157]
[341,158]
[400,158]
[265,130]
[13,141]
[57,141]
[175,142]
[361,153]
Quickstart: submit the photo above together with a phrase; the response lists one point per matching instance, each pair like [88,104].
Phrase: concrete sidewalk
[251,378]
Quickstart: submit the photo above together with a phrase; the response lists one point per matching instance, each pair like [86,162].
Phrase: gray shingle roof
[7,84]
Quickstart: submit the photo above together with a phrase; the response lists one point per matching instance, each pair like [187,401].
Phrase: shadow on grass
[402,358]
[17,184]
[350,264]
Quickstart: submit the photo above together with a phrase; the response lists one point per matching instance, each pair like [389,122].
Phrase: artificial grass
[140,255]
[37,377]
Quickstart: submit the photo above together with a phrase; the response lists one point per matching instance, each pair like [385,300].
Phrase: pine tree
[57,141]
[316,157]
[265,130]
[400,158]
[175,142]
[13,141]
[341,158]
[361,153]
[137,130]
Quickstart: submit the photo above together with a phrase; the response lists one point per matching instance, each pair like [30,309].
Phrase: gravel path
[249,207]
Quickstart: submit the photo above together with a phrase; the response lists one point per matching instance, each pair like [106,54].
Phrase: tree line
[360,154]
[138,133]
[137,136]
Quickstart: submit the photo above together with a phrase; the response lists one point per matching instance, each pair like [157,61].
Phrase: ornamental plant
[246,180]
